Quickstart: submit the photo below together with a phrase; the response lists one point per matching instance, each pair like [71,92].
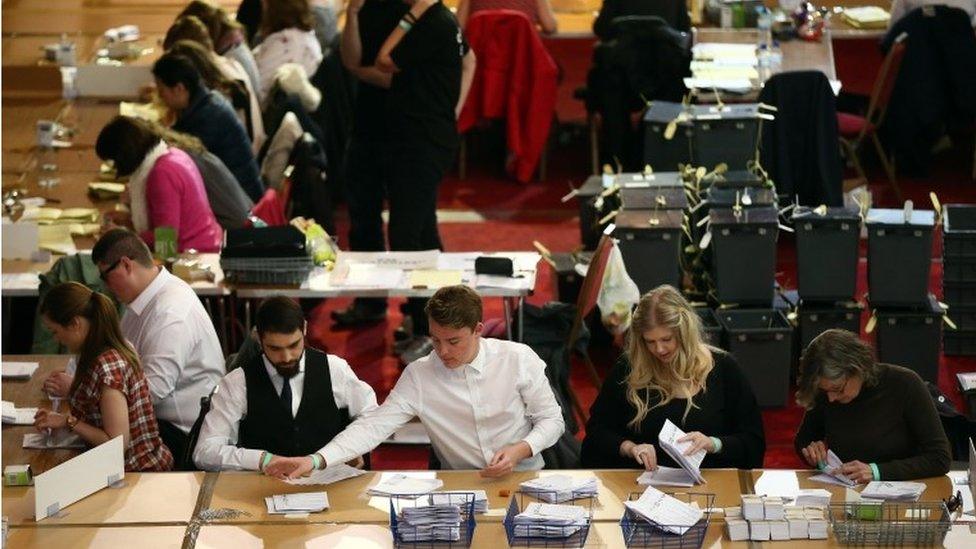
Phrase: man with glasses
[287,400]
[169,329]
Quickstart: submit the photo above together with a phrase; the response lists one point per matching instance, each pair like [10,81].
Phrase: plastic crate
[959,269]
[959,231]
[744,255]
[890,524]
[911,338]
[651,252]
[268,270]
[959,294]
[638,532]
[711,327]
[814,320]
[899,257]
[827,253]
[405,535]
[959,342]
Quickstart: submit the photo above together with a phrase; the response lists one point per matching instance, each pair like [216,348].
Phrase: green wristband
[875,472]
[316,461]
[266,460]
[717,442]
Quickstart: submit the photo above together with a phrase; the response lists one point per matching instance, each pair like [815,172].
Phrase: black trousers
[177,441]
[367,161]
[416,170]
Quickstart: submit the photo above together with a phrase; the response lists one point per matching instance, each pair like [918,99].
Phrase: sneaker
[358,315]
[418,348]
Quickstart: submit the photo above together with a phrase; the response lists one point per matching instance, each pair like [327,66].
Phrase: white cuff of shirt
[331,456]
[251,460]
[534,445]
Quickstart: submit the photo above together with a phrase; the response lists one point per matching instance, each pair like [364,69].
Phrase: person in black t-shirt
[368,23]
[432,69]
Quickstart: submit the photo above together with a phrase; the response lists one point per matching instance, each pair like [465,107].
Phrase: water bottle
[764,26]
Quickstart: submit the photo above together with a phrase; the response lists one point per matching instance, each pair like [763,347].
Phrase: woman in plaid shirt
[109,395]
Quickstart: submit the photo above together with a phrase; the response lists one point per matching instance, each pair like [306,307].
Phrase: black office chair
[185,462]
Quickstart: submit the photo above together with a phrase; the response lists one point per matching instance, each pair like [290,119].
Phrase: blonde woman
[668,372]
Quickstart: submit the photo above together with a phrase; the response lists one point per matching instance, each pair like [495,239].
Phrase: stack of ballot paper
[666,476]
[18,370]
[57,440]
[891,490]
[308,502]
[404,485]
[17,416]
[430,523]
[105,190]
[795,523]
[668,440]
[560,488]
[665,512]
[332,473]
[812,498]
[461,497]
[547,520]
[832,475]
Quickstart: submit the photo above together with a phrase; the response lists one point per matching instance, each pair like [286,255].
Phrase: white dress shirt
[217,446]
[177,345]
[500,398]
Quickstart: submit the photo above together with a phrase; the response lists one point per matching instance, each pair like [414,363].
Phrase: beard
[286,370]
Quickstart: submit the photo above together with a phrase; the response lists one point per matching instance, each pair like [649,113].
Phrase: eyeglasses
[104,274]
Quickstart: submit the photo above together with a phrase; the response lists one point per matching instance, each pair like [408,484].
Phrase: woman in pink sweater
[165,186]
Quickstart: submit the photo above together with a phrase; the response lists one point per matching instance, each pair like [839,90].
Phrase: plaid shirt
[146,451]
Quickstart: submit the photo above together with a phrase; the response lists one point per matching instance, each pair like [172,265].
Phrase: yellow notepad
[432,279]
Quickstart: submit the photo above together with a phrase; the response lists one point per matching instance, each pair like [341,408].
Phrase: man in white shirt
[485,403]
[289,400]
[169,330]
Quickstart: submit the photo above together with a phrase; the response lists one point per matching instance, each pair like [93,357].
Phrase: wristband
[316,461]
[875,472]
[405,25]
[266,459]
[411,18]
[717,443]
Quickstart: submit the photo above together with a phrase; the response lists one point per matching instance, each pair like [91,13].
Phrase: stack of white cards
[286,504]
[18,370]
[832,474]
[666,476]
[668,440]
[766,519]
[547,520]
[17,416]
[666,512]
[812,498]
[332,473]
[403,485]
[560,488]
[431,523]
[461,497]
[891,490]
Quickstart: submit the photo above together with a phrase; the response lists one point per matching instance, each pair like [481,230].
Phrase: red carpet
[517,214]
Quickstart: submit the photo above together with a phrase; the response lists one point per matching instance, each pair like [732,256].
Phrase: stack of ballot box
[959,277]
[768,519]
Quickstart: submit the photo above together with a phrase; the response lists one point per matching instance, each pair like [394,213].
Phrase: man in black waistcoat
[288,401]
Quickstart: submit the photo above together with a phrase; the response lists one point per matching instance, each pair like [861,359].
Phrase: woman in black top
[668,372]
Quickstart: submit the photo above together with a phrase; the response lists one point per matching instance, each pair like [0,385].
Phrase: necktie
[286,394]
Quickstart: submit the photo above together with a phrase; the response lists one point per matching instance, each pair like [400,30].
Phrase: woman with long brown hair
[287,27]
[228,38]
[668,372]
[109,396]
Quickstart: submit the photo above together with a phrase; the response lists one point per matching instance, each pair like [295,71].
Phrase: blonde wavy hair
[665,307]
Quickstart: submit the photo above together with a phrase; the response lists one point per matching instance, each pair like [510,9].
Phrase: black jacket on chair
[935,86]
[799,148]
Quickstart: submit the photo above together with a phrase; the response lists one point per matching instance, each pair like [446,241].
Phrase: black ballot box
[661,151]
[655,198]
[598,197]
[726,134]
[899,257]
[735,179]
[827,248]
[911,337]
[761,340]
[711,327]
[959,277]
[650,244]
[743,255]
[586,196]
[721,197]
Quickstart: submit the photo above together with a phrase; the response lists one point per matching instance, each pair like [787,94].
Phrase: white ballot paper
[833,474]
[308,502]
[18,370]
[666,512]
[431,523]
[668,440]
[57,440]
[549,520]
[17,416]
[666,476]
[332,473]
[893,490]
[403,485]
[560,488]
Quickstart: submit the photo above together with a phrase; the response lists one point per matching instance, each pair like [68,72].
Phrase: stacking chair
[185,462]
[855,130]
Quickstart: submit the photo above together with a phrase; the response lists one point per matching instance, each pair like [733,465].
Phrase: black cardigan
[727,410]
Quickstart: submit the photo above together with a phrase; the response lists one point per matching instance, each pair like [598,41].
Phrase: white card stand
[78,478]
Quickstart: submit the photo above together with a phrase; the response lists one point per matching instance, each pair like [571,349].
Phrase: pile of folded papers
[548,520]
[430,523]
[560,488]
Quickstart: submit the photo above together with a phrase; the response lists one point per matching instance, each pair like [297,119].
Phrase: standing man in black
[432,69]
[368,23]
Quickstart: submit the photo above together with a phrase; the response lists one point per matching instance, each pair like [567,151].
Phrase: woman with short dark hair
[109,396]
[165,186]
[878,418]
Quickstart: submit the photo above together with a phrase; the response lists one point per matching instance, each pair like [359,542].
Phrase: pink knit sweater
[176,197]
